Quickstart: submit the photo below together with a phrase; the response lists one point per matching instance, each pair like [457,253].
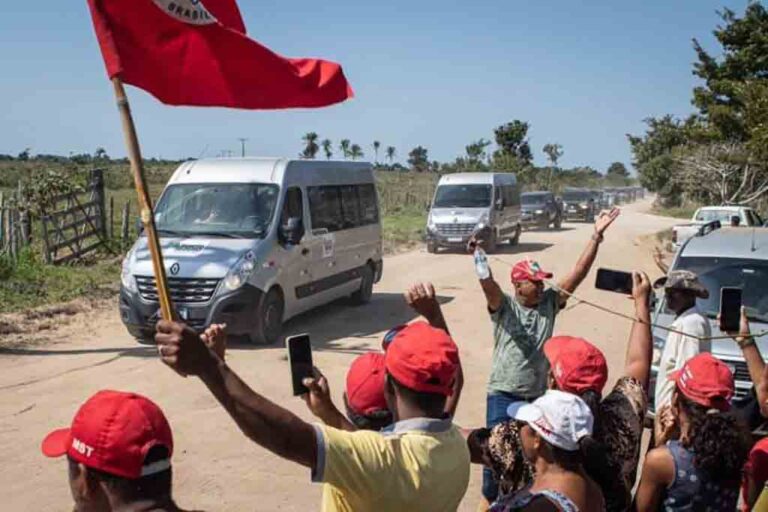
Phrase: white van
[253,242]
[466,202]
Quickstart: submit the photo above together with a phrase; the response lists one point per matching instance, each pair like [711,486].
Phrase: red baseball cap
[365,384]
[577,365]
[423,358]
[113,432]
[527,270]
[706,380]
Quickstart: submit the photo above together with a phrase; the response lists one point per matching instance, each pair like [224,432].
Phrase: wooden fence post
[97,182]
[3,234]
[112,218]
[124,225]
[12,234]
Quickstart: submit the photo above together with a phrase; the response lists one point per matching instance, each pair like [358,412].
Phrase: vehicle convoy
[725,257]
[747,217]
[468,202]
[541,210]
[579,204]
[253,242]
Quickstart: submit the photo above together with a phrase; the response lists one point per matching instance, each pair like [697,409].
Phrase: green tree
[376,146]
[418,159]
[344,147]
[100,154]
[652,151]
[553,152]
[617,169]
[512,141]
[391,152]
[356,152]
[24,155]
[476,153]
[311,148]
[327,148]
[743,58]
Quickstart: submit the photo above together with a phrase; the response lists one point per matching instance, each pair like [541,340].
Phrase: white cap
[562,419]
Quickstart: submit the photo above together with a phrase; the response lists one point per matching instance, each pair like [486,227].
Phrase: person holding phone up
[419,463]
[521,325]
[681,289]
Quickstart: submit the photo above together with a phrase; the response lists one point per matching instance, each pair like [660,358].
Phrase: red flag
[195,52]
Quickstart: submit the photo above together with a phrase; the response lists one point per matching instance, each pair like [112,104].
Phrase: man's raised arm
[265,423]
[493,292]
[579,272]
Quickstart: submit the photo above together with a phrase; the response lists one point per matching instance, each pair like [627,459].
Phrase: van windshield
[576,195]
[533,198]
[715,273]
[463,196]
[232,210]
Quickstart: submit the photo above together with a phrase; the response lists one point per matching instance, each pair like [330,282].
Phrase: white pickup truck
[748,217]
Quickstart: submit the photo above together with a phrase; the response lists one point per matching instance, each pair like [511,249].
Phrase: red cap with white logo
[113,432]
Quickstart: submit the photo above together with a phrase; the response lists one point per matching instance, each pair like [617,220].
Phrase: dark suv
[579,204]
[541,210]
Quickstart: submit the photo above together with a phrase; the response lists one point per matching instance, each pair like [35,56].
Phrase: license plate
[455,239]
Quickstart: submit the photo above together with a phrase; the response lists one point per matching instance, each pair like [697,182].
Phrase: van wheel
[270,315]
[491,243]
[364,294]
[431,248]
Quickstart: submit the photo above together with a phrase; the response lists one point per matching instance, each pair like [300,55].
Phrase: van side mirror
[292,231]
[500,203]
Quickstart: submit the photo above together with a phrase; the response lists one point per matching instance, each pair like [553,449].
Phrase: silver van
[725,257]
[253,242]
[466,202]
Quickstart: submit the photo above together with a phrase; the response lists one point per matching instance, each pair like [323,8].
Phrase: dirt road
[217,468]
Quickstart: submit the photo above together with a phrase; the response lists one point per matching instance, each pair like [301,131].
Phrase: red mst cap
[424,359]
[113,432]
[577,365]
[365,384]
[527,270]
[706,380]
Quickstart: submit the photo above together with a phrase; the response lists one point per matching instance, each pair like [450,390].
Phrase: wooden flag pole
[145,202]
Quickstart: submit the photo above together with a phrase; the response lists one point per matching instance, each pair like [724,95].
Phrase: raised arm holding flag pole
[196,53]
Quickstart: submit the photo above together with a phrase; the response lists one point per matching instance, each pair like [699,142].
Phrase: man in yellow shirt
[419,463]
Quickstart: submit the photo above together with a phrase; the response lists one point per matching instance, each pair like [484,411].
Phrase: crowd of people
[552,440]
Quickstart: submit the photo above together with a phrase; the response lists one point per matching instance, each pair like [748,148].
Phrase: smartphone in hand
[730,309]
[300,358]
[614,281]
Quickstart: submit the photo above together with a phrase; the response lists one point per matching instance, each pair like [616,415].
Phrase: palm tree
[311,148]
[327,148]
[376,146]
[344,147]
[391,151]
[356,152]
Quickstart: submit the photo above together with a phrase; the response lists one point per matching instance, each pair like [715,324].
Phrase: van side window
[293,206]
[369,210]
[511,198]
[350,206]
[325,208]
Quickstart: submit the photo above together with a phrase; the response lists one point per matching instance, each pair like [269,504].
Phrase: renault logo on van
[175,269]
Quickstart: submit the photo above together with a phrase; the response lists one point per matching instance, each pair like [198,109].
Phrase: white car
[748,217]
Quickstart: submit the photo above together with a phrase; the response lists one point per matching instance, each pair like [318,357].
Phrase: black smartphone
[614,281]
[730,309]
[300,357]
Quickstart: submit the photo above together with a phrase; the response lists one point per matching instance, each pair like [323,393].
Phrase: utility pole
[242,146]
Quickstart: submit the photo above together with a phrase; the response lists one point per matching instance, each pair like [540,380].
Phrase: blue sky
[438,74]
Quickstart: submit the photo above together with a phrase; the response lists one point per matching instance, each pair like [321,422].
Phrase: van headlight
[483,221]
[239,274]
[539,212]
[126,278]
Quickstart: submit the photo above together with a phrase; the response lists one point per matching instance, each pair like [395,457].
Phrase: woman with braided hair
[703,469]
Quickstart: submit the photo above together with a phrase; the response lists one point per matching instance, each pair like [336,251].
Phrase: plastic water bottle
[482,269]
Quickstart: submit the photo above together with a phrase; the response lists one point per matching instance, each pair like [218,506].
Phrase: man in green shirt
[521,325]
